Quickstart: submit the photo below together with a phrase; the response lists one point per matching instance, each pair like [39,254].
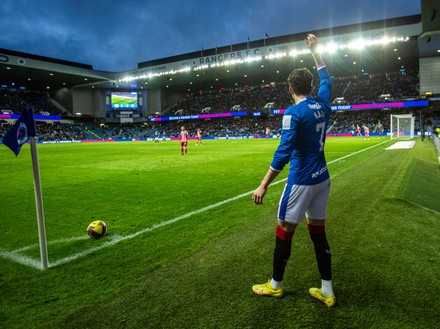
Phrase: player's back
[311,131]
[308,160]
[303,137]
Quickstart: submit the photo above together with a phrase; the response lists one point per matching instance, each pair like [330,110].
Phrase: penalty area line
[35,264]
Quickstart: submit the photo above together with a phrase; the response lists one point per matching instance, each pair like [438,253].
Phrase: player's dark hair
[301,81]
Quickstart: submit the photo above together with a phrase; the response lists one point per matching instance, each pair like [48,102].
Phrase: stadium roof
[380,24]
[392,43]
[256,62]
[36,72]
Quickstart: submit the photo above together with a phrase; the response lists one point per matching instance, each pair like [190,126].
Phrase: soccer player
[380,129]
[358,131]
[156,137]
[366,131]
[267,132]
[306,192]
[199,137]
[183,141]
[352,130]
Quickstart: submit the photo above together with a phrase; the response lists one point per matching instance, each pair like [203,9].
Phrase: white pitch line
[36,245]
[118,239]
[21,259]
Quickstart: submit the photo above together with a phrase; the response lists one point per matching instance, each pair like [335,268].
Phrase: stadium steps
[89,134]
[346,88]
[59,106]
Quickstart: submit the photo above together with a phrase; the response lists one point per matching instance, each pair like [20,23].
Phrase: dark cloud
[116,35]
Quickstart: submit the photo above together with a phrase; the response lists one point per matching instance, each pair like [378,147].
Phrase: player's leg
[181,149]
[291,211]
[316,215]
[283,246]
[185,148]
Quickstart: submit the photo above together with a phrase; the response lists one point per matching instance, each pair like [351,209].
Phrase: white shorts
[299,200]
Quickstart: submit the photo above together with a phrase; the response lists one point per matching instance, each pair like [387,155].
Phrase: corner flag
[23,130]
[20,132]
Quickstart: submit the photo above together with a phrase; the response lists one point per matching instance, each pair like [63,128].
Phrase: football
[96,229]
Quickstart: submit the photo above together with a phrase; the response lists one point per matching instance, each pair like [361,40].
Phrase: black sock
[281,254]
[322,250]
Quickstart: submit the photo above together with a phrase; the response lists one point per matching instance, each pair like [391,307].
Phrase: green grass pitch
[383,225]
[123,100]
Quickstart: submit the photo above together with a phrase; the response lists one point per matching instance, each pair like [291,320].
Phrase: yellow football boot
[266,289]
[316,293]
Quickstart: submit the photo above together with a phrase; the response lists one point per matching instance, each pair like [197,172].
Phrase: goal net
[402,126]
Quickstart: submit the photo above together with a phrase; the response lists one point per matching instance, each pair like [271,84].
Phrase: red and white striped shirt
[184,136]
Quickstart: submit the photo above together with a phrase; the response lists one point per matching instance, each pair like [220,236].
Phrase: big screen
[124,100]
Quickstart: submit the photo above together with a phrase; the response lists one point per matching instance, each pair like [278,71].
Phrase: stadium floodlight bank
[402,126]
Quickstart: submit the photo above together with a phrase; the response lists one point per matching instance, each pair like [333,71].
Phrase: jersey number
[321,127]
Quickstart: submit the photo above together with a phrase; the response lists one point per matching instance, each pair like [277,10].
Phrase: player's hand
[312,42]
[258,195]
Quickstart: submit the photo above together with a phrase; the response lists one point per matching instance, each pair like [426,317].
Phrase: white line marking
[66,240]
[32,246]
[21,259]
[35,264]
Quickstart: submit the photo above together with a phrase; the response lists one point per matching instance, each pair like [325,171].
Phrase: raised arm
[312,43]
[324,92]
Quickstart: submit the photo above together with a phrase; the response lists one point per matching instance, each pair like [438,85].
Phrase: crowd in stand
[340,123]
[50,131]
[358,89]
[15,100]
[58,131]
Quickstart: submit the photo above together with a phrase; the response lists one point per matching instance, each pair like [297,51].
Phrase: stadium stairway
[89,134]
[59,106]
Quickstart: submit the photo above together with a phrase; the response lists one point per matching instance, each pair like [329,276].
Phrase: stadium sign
[198,116]
[228,56]
[354,107]
[36,117]
[380,105]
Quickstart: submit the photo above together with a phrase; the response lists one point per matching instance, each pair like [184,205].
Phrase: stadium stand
[356,89]
[13,101]
[340,123]
[364,88]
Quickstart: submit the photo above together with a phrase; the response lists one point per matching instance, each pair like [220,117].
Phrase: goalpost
[402,126]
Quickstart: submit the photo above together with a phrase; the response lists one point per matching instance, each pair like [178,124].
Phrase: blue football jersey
[303,137]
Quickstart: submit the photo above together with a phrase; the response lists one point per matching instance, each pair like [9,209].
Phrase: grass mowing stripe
[417,205]
[24,260]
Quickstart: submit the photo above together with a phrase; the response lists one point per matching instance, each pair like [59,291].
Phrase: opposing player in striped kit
[199,137]
[183,141]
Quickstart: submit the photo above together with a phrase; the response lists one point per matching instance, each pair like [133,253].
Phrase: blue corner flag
[20,132]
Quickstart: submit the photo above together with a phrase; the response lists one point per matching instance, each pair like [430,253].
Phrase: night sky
[116,35]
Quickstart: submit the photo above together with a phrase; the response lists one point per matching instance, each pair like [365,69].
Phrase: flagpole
[39,203]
